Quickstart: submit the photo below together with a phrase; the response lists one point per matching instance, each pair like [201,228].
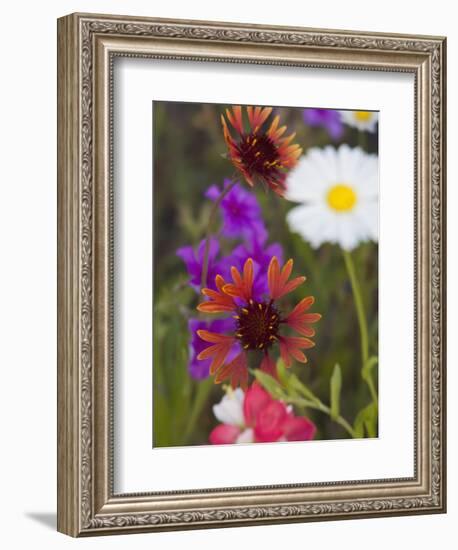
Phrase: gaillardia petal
[259,151]
[258,323]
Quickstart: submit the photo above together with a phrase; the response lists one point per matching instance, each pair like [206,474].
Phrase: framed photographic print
[251,281]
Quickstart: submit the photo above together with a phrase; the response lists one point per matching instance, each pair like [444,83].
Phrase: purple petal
[194,263]
[240,211]
[275,249]
[312,116]
[186,253]
[335,128]
[258,233]
[213,249]
[326,118]
[212,193]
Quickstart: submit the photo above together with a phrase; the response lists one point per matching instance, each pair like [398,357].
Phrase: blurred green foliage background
[189,156]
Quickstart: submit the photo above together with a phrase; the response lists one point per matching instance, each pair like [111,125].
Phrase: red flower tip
[258,323]
[291,346]
[243,285]
[278,280]
[260,153]
[300,321]
[236,371]
[220,349]
[219,300]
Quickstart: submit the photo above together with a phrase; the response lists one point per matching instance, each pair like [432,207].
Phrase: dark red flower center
[257,325]
[258,154]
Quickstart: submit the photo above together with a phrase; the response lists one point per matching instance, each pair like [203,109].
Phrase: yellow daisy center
[363,116]
[341,197]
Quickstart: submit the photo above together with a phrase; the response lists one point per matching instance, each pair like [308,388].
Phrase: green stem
[319,406]
[346,426]
[361,321]
[359,306]
[211,219]
[372,389]
[200,398]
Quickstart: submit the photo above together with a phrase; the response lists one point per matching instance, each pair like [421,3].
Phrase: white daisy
[363,120]
[338,192]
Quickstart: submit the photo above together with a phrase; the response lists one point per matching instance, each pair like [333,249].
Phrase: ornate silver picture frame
[88,44]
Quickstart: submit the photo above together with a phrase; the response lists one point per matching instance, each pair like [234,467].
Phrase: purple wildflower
[194,263]
[325,118]
[240,211]
[200,369]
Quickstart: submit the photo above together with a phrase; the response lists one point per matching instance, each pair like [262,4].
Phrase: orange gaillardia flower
[258,324]
[261,154]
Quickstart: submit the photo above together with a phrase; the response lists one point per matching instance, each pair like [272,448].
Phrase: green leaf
[296,386]
[200,397]
[368,366]
[335,387]
[288,387]
[366,422]
[282,373]
[270,384]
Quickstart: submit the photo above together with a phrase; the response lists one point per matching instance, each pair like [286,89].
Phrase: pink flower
[255,417]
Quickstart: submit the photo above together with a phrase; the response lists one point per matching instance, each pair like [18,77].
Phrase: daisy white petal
[337,192]
[362,120]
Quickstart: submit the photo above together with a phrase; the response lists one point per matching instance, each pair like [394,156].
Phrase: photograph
[251,244]
[265,273]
